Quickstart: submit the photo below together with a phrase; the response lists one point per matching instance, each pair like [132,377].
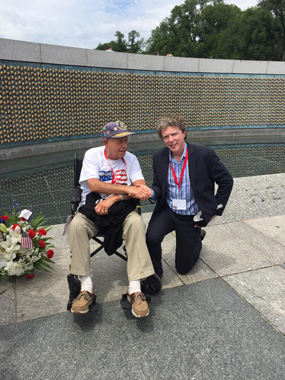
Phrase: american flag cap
[115,130]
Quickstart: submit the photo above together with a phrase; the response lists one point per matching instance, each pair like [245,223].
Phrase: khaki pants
[81,230]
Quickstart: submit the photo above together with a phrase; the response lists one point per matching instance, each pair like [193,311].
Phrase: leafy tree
[133,45]
[104,45]
[179,34]
[212,29]
[215,23]
[277,8]
[251,35]
[259,36]
[121,43]
[160,40]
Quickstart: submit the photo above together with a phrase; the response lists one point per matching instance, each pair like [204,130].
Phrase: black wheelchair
[150,286]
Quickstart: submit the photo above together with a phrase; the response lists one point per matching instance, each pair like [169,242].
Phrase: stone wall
[54,93]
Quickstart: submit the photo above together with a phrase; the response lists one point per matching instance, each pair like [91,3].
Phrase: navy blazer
[205,169]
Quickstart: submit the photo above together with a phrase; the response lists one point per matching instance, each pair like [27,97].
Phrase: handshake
[141,192]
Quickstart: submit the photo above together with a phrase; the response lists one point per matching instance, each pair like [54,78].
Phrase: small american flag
[26,241]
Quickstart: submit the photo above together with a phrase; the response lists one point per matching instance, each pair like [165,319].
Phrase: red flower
[41,243]
[31,234]
[42,232]
[4,217]
[14,226]
[50,253]
[30,275]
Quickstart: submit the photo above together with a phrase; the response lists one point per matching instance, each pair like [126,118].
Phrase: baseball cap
[115,130]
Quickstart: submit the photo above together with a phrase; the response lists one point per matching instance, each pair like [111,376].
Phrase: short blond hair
[174,120]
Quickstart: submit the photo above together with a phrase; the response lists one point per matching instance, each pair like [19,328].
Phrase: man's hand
[141,192]
[102,207]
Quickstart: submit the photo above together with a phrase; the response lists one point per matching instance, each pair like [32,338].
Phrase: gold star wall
[50,104]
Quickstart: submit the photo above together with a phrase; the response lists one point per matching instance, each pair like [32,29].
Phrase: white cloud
[242,4]
[84,23]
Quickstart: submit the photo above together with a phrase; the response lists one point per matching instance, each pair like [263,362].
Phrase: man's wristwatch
[121,197]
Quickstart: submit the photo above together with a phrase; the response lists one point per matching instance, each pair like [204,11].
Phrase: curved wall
[53,93]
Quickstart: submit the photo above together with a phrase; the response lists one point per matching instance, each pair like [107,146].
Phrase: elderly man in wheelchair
[109,181]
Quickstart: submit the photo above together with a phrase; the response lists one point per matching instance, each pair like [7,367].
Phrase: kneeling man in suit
[184,177]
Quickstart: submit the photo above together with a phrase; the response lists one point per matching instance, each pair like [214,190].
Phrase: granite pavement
[223,320]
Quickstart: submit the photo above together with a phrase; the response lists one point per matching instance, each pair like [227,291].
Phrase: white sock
[86,283]
[134,286]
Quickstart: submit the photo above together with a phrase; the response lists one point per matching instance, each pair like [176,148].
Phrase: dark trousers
[188,241]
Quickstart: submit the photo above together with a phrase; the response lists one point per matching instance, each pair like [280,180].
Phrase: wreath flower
[24,244]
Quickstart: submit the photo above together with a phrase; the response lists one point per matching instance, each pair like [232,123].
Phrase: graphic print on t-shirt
[121,177]
[105,176]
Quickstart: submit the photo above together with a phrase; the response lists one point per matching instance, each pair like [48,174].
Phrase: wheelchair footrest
[93,307]
[74,285]
[125,302]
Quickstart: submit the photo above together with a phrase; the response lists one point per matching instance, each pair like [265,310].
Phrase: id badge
[179,204]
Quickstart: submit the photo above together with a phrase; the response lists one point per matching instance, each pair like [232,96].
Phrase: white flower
[16,232]
[3,262]
[11,245]
[14,268]
[26,251]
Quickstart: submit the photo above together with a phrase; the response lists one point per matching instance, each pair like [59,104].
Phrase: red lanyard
[182,172]
[113,174]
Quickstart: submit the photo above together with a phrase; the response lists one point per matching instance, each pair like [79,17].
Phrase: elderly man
[183,185]
[111,174]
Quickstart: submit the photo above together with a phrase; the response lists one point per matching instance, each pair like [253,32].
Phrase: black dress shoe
[202,234]
[151,285]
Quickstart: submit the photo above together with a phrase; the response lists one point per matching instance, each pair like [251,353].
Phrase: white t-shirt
[95,165]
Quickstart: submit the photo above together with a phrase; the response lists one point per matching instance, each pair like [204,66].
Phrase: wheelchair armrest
[75,199]
[76,195]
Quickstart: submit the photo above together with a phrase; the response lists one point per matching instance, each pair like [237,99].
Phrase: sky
[85,23]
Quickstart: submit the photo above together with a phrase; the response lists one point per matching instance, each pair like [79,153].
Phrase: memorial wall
[63,94]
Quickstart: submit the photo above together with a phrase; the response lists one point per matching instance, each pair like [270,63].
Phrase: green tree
[277,8]
[251,35]
[104,45]
[119,45]
[179,33]
[212,29]
[259,36]
[133,45]
[162,40]
[215,23]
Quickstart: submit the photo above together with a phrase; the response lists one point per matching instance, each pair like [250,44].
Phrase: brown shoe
[82,302]
[139,304]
